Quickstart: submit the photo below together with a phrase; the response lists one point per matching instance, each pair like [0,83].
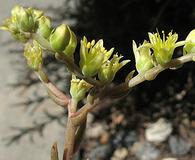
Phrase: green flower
[79,88]
[108,70]
[33,55]
[92,56]
[190,43]
[59,38]
[143,57]
[163,48]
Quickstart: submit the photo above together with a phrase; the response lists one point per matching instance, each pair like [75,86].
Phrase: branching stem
[152,73]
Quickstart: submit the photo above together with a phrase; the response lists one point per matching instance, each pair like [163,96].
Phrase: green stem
[70,132]
[56,94]
[76,70]
[69,63]
[152,73]
[42,41]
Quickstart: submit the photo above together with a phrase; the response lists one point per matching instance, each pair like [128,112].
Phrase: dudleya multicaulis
[108,70]
[92,56]
[33,54]
[143,57]
[79,88]
[163,48]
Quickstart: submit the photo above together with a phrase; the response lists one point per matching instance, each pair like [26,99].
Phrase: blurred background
[30,122]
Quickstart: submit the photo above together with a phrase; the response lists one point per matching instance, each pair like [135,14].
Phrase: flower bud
[44,27]
[189,46]
[92,56]
[163,48]
[24,18]
[108,70]
[59,38]
[33,55]
[143,57]
[70,48]
[79,88]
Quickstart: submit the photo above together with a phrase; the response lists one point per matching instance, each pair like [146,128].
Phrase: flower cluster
[94,59]
[157,51]
[27,21]
[96,63]
[22,20]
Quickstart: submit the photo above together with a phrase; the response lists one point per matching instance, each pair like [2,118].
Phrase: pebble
[145,151]
[100,152]
[104,138]
[120,154]
[193,123]
[130,139]
[158,131]
[117,118]
[95,131]
[90,118]
[118,138]
[179,146]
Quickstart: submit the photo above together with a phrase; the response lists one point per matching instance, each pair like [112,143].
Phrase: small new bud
[70,48]
[189,46]
[24,18]
[143,57]
[33,55]
[163,48]
[59,38]
[44,27]
[10,25]
[79,88]
[108,70]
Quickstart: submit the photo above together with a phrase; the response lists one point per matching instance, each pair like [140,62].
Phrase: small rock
[169,159]
[145,151]
[130,139]
[90,118]
[104,138]
[118,138]
[178,145]
[120,154]
[117,118]
[100,152]
[158,131]
[193,123]
[95,131]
